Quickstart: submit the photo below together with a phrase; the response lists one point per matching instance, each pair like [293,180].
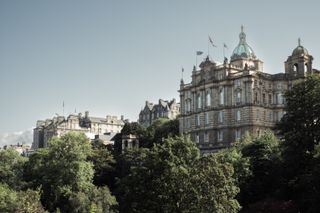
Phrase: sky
[110,56]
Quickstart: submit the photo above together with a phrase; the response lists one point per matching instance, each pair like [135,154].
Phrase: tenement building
[164,109]
[224,101]
[92,127]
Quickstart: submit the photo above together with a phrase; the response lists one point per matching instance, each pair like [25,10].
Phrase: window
[238,115]
[220,135]
[208,99]
[222,96]
[238,99]
[206,137]
[237,82]
[270,99]
[206,118]
[255,83]
[256,98]
[264,98]
[280,98]
[197,138]
[258,115]
[197,120]
[279,85]
[199,101]
[270,116]
[221,116]
[237,134]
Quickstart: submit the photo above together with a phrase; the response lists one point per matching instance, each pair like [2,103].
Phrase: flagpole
[224,55]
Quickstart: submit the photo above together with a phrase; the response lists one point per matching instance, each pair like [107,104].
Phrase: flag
[199,52]
[210,40]
[225,46]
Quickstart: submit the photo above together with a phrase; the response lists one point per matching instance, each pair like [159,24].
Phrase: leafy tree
[169,128]
[8,199]
[20,202]
[170,177]
[11,168]
[264,158]
[212,187]
[300,132]
[103,164]
[64,173]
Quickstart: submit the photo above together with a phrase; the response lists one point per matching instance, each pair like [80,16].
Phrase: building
[22,149]
[129,142]
[164,109]
[92,127]
[223,101]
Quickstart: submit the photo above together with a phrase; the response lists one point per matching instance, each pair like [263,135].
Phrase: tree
[171,177]
[300,132]
[64,173]
[264,158]
[156,177]
[11,168]
[212,187]
[20,202]
[103,164]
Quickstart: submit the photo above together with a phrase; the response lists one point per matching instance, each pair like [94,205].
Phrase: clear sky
[109,57]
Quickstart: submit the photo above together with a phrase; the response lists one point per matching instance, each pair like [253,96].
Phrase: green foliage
[300,131]
[103,164]
[64,173]
[11,168]
[8,198]
[170,177]
[264,158]
[21,201]
[212,186]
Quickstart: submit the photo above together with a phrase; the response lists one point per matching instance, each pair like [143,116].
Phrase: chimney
[86,114]
[122,117]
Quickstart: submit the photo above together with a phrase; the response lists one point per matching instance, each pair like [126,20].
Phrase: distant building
[92,127]
[223,101]
[164,109]
[129,142]
[22,149]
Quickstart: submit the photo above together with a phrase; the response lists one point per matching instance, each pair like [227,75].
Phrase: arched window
[238,99]
[199,101]
[295,68]
[238,115]
[208,99]
[222,96]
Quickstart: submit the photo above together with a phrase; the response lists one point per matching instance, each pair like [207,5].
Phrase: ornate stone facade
[164,109]
[91,126]
[223,101]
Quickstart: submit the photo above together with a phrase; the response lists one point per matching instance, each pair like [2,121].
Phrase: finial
[242,28]
[299,42]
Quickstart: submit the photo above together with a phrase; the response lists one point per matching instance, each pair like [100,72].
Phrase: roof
[243,50]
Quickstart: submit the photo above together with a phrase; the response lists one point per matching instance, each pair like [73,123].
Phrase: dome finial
[299,41]
[242,28]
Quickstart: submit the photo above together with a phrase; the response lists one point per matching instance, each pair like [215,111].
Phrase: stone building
[164,109]
[92,127]
[223,101]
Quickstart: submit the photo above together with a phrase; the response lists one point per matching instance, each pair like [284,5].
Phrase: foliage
[64,173]
[300,132]
[103,164]
[264,158]
[212,186]
[11,168]
[170,177]
[19,202]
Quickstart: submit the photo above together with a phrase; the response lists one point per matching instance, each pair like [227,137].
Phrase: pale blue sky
[110,56]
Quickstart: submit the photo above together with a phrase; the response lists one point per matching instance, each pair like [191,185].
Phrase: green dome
[243,50]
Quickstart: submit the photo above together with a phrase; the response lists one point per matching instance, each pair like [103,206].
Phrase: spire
[242,36]
[299,42]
